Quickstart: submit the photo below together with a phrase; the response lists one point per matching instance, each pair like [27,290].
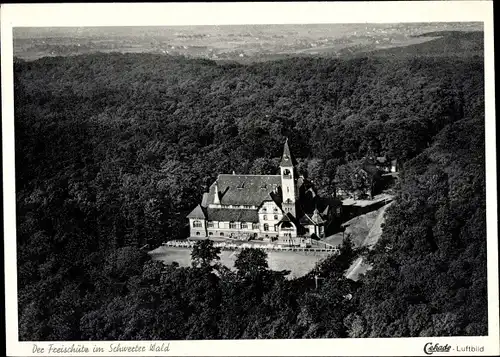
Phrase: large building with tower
[282,208]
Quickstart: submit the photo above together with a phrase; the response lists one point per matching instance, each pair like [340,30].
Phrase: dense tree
[204,253]
[251,262]
[113,150]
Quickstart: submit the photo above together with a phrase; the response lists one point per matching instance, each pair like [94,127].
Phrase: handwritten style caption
[114,347]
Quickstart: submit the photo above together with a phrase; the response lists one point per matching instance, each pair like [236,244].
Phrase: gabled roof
[325,211]
[287,159]
[288,217]
[232,215]
[323,204]
[197,213]
[316,217]
[249,190]
[370,169]
[306,220]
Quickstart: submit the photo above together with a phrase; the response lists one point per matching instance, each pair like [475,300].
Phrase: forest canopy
[113,150]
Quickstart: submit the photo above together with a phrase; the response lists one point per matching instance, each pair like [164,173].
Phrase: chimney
[216,195]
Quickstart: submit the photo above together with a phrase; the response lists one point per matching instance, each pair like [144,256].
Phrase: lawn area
[299,263]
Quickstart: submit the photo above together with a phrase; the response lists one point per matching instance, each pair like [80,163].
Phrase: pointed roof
[287,159]
[325,211]
[317,219]
[197,213]
[288,217]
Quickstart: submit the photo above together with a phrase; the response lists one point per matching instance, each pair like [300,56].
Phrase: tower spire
[288,180]
[216,194]
[287,158]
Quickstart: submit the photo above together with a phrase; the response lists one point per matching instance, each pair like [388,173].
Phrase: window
[210,233]
[288,189]
[266,227]
[275,210]
[264,209]
[210,224]
[244,226]
[222,234]
[288,201]
[276,217]
[265,217]
[275,228]
[197,224]
[255,226]
[232,225]
[197,233]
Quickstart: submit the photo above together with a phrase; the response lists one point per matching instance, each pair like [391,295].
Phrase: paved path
[359,267]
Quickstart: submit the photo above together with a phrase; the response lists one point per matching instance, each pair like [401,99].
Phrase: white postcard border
[128,14]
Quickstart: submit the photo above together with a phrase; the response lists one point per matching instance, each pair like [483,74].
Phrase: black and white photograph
[253,182]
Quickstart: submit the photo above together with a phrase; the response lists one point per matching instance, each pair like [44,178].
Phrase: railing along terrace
[272,247]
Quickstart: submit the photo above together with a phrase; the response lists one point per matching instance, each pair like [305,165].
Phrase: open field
[299,263]
[242,43]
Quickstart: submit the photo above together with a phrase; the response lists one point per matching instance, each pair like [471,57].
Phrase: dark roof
[285,218]
[371,169]
[232,215]
[197,213]
[287,159]
[323,204]
[305,220]
[288,217]
[245,189]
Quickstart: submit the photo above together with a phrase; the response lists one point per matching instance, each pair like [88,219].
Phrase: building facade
[282,208]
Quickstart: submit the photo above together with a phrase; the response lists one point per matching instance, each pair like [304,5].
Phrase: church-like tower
[288,181]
